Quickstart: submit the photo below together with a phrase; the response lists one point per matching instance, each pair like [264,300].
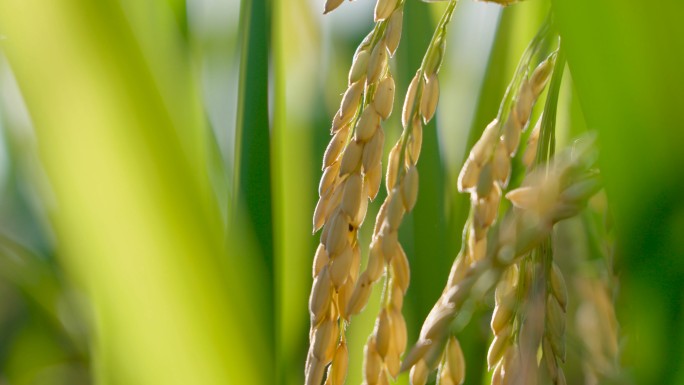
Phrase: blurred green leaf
[133,221]
[626,61]
[252,184]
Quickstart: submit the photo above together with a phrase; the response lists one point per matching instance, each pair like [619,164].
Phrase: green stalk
[547,141]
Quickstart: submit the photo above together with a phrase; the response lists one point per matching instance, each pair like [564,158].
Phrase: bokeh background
[159,163]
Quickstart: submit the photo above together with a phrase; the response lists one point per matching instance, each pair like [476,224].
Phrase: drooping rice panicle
[547,196]
[486,172]
[351,176]
[388,341]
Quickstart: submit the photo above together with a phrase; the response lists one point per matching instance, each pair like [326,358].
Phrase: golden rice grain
[372,151]
[331,5]
[377,62]
[419,373]
[373,177]
[372,362]
[395,210]
[531,148]
[410,100]
[335,146]
[314,371]
[542,74]
[512,131]
[484,146]
[359,66]
[338,369]
[434,61]
[409,188]
[350,101]
[398,326]
[360,216]
[467,178]
[367,124]
[336,239]
[340,266]
[337,123]
[380,218]
[392,167]
[320,260]
[429,98]
[383,9]
[415,142]
[327,180]
[394,26]
[319,301]
[496,349]
[323,337]
[392,363]
[524,103]
[384,97]
[352,195]
[351,157]
[361,293]
[455,361]
[390,242]
[501,168]
[376,262]
[401,270]
[383,333]
[503,312]
[397,297]
[321,211]
[437,323]
[344,296]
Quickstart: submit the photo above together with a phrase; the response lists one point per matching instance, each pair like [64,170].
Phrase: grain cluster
[352,171]
[383,350]
[565,186]
[484,176]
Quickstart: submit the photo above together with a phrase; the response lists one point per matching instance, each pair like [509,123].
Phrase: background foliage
[159,163]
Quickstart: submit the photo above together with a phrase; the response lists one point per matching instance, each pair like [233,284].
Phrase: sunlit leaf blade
[132,217]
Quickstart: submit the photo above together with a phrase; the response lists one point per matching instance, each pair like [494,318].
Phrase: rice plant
[494,188]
